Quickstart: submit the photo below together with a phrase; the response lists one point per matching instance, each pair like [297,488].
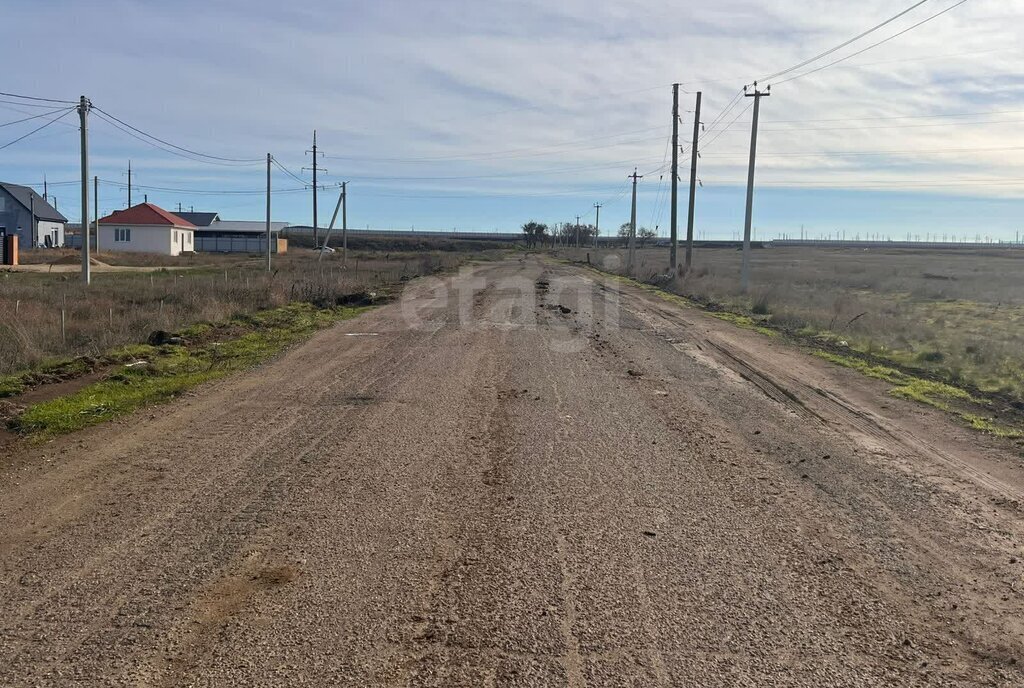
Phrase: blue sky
[482,115]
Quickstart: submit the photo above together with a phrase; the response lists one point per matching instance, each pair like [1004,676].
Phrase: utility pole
[83,114]
[688,262]
[577,231]
[96,208]
[745,269]
[315,169]
[597,223]
[632,226]
[672,261]
[269,238]
[46,196]
[129,183]
[334,217]
[33,235]
[344,224]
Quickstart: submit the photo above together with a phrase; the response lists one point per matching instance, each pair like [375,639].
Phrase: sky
[484,115]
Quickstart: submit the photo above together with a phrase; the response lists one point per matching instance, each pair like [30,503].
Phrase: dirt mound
[75,260]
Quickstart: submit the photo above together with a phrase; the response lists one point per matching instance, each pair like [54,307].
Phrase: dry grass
[124,308]
[956,314]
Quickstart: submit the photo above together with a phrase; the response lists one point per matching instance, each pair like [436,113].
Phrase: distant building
[25,213]
[147,228]
[214,235]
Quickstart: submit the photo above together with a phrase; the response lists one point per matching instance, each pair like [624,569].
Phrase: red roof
[145,214]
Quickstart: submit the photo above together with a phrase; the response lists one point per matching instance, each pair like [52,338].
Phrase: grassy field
[52,316]
[957,315]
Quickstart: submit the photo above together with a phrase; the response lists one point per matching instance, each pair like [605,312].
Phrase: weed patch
[150,375]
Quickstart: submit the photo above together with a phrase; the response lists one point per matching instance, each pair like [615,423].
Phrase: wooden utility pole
[745,268]
[675,180]
[129,183]
[315,168]
[688,261]
[83,115]
[632,227]
[597,223]
[269,237]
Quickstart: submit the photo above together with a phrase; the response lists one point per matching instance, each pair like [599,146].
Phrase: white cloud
[402,79]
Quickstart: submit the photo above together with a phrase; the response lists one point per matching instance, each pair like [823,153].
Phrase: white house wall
[54,230]
[148,239]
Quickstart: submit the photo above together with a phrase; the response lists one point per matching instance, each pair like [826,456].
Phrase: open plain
[525,474]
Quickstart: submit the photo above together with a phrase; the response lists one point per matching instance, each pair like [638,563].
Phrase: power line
[725,129]
[885,126]
[45,100]
[843,45]
[177,147]
[26,119]
[873,45]
[289,172]
[172,151]
[240,192]
[66,112]
[844,154]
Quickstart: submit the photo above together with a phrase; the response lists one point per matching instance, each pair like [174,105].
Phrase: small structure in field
[147,228]
[214,235]
[25,214]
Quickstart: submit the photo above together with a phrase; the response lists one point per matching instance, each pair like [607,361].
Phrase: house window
[121,234]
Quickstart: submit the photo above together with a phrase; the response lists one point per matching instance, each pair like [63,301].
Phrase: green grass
[936,394]
[170,370]
[48,371]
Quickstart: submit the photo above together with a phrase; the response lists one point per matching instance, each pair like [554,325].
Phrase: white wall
[168,241]
[54,230]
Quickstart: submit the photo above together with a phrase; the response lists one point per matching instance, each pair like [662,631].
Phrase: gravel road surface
[526,474]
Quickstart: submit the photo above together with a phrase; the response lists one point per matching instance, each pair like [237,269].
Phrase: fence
[235,244]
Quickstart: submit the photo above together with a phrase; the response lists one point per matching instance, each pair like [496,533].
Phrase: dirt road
[523,475]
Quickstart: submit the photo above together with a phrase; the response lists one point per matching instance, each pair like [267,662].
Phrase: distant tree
[644,234]
[624,230]
[569,230]
[534,233]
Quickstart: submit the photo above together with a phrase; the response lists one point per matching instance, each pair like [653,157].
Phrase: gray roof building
[200,220]
[24,213]
[29,200]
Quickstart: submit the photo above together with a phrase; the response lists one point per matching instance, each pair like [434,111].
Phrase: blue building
[25,213]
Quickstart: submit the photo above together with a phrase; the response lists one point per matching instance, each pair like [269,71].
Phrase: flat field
[47,315]
[956,314]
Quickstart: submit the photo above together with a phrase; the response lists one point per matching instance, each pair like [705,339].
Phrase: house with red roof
[146,228]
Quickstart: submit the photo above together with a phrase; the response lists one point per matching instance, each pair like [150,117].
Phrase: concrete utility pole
[83,114]
[577,231]
[745,269]
[632,226]
[269,237]
[96,208]
[688,262]
[674,231]
[597,223]
[315,169]
[344,224]
[34,231]
[334,217]
[129,183]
